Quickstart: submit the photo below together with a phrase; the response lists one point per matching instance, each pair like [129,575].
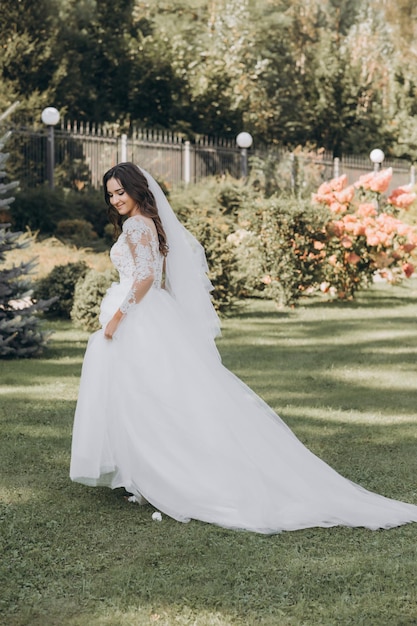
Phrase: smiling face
[124,204]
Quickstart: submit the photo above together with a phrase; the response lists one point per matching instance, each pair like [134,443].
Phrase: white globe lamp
[244,141]
[50,117]
[377,156]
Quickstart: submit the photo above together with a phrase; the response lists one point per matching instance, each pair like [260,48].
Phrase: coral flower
[376,181]
[323,198]
[403,229]
[364,239]
[402,197]
[366,209]
[345,195]
[372,239]
[381,180]
[403,200]
[408,247]
[346,242]
[324,189]
[358,229]
[408,269]
[337,208]
[387,223]
[339,183]
[350,227]
[384,238]
[350,218]
[353,258]
[364,180]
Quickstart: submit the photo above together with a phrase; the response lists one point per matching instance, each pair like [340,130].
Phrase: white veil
[186,269]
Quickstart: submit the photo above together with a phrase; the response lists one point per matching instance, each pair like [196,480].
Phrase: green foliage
[278,247]
[339,75]
[42,209]
[77,232]
[89,292]
[108,234]
[208,211]
[298,175]
[88,205]
[39,209]
[60,283]
[249,254]
[211,230]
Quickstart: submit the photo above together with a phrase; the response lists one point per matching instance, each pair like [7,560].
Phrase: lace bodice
[137,258]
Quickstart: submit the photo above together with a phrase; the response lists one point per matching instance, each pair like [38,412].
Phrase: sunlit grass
[51,252]
[343,377]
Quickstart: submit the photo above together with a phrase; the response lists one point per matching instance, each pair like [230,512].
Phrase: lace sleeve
[139,239]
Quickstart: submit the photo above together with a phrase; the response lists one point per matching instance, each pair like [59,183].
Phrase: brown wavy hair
[136,186]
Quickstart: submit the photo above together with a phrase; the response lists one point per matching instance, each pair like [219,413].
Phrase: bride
[158,413]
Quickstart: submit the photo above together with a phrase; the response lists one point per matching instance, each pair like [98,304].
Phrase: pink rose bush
[364,235]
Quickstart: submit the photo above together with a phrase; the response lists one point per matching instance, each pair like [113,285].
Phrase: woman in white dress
[158,413]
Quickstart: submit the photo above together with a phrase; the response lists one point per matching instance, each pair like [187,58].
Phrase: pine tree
[20,332]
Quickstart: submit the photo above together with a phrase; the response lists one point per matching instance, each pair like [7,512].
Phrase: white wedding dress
[160,415]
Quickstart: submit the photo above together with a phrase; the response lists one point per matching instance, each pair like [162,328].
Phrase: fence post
[294,163]
[336,167]
[123,148]
[187,162]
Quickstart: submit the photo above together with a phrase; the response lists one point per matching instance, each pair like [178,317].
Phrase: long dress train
[160,415]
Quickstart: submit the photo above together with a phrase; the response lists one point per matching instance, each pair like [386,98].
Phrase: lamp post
[244,141]
[50,117]
[377,156]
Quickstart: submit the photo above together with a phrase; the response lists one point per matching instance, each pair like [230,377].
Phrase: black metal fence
[83,152]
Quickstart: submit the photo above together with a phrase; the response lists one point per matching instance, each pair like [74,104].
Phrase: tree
[27,56]
[20,332]
[337,74]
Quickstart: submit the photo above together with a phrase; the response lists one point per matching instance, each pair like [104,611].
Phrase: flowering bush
[280,247]
[287,248]
[364,235]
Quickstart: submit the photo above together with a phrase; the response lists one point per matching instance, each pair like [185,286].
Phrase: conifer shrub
[21,333]
[60,283]
[88,294]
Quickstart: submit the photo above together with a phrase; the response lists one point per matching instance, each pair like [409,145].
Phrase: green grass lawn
[342,376]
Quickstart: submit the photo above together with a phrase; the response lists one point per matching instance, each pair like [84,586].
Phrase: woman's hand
[113,324]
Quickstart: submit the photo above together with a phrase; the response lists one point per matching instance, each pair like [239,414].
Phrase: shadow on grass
[72,551]
[367,299]
[74,555]
[378,296]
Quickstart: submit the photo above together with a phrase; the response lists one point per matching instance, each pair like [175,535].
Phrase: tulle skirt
[160,415]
